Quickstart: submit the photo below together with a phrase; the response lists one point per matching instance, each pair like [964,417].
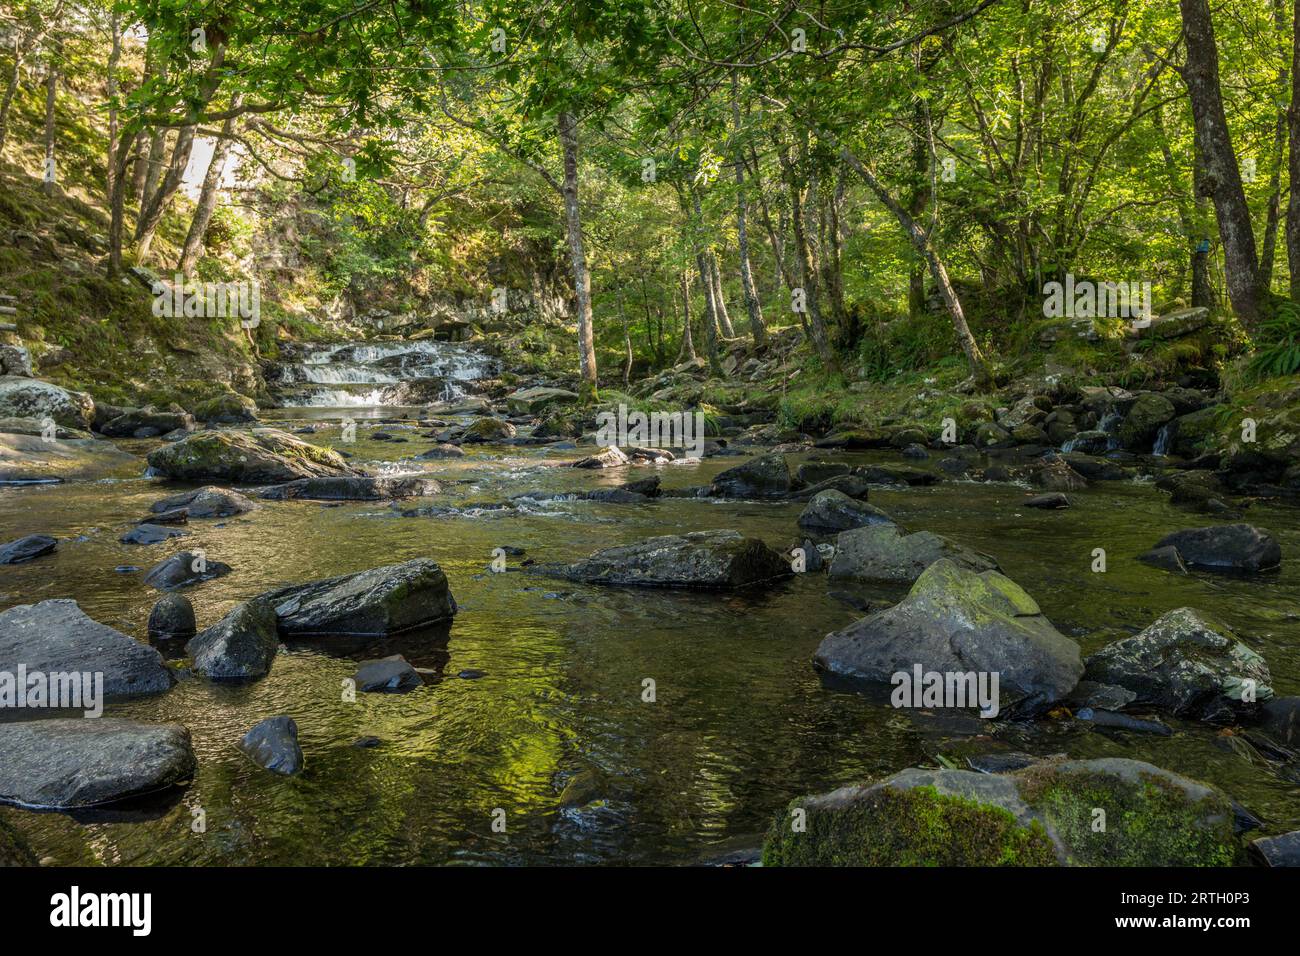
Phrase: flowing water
[740,723]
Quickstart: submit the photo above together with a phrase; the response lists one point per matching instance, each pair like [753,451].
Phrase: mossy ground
[917,827]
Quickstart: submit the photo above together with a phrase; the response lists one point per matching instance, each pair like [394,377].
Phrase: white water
[376,365]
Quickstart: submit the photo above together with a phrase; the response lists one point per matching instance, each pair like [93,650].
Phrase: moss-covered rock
[488,430]
[227,408]
[914,818]
[1108,812]
[14,850]
[267,455]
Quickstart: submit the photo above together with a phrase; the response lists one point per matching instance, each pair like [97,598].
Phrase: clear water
[741,723]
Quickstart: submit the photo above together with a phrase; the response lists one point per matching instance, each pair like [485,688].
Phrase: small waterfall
[361,374]
[1110,425]
[1163,440]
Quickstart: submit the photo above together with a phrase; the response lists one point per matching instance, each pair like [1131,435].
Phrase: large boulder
[836,511]
[147,422]
[206,502]
[1042,815]
[239,647]
[27,548]
[709,560]
[22,397]
[377,602]
[531,401]
[267,455]
[354,489]
[767,476]
[885,553]
[1187,666]
[56,637]
[1232,547]
[955,620]
[1149,414]
[227,408]
[69,763]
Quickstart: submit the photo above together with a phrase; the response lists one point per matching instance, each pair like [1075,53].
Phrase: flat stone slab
[56,637]
[74,762]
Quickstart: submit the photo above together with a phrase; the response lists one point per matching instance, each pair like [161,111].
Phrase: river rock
[1056,475]
[836,511]
[184,569]
[1281,719]
[353,489]
[1233,547]
[273,745]
[15,360]
[443,450]
[855,486]
[172,618]
[388,675]
[708,560]
[147,422]
[1041,815]
[377,602]
[1148,415]
[482,430]
[1052,501]
[767,476]
[1186,666]
[22,397]
[151,534]
[887,554]
[611,457]
[1282,850]
[70,763]
[958,620]
[206,502]
[267,455]
[227,408]
[57,637]
[531,401]
[814,472]
[27,548]
[239,647]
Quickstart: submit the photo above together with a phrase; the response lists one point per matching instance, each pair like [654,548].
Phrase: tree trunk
[917,202]
[51,88]
[807,272]
[757,330]
[938,272]
[688,342]
[567,124]
[117,215]
[1293,162]
[724,320]
[208,195]
[1268,251]
[147,227]
[114,57]
[1222,181]
[10,89]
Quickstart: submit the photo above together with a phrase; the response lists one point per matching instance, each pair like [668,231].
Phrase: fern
[1278,349]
